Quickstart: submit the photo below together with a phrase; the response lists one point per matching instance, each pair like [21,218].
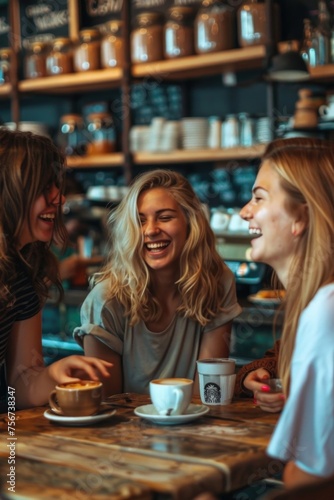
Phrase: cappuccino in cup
[171,396]
[76,399]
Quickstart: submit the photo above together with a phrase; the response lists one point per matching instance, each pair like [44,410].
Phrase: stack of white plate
[34,127]
[194,133]
[139,138]
[264,133]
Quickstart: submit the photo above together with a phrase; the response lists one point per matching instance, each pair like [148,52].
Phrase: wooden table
[128,457]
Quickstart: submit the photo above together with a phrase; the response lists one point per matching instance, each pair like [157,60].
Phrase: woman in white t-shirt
[291,215]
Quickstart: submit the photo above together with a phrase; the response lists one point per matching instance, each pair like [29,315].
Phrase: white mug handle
[179,400]
[323,110]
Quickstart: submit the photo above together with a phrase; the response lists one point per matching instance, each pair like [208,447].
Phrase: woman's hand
[74,368]
[255,381]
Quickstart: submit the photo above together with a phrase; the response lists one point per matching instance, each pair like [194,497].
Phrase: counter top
[126,456]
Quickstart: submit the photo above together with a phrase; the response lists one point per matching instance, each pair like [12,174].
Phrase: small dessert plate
[78,421]
[193,412]
[264,300]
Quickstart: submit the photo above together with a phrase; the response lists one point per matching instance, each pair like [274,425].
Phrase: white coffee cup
[216,380]
[171,396]
[219,220]
[327,110]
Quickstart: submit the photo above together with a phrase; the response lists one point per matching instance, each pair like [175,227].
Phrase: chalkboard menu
[96,12]
[162,6]
[43,20]
[4,27]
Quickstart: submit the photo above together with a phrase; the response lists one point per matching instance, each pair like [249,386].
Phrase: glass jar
[71,138]
[87,53]
[230,132]
[214,27]
[60,59]
[146,38]
[214,134]
[179,33]
[5,55]
[112,47]
[252,23]
[247,129]
[35,60]
[101,134]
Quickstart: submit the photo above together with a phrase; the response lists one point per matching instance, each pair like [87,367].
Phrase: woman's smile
[164,227]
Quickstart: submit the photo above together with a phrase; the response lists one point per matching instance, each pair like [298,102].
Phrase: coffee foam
[172,381]
[84,384]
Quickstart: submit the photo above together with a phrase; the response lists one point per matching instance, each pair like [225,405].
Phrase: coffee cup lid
[216,366]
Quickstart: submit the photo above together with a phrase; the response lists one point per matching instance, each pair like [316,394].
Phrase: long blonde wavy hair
[306,170]
[29,165]
[202,270]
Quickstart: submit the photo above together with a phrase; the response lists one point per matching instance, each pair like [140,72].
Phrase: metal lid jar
[112,46]
[101,134]
[87,55]
[60,59]
[5,56]
[147,38]
[71,135]
[214,27]
[35,60]
[179,33]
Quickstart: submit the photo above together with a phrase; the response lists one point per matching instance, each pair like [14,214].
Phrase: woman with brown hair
[31,185]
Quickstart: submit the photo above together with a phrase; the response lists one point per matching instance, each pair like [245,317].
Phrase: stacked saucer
[194,133]
[264,133]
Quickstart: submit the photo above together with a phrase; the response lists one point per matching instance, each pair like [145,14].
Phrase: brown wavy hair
[29,165]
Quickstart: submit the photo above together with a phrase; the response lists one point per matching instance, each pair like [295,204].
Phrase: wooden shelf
[203,65]
[323,73]
[186,67]
[179,156]
[200,155]
[74,82]
[108,160]
[5,90]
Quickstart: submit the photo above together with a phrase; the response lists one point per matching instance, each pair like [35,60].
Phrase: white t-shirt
[305,430]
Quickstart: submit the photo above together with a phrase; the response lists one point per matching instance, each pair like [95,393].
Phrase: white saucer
[327,118]
[89,420]
[192,413]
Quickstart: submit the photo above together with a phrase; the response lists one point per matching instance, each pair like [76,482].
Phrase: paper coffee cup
[216,380]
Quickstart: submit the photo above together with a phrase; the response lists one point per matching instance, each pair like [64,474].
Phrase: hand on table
[255,381]
[75,367]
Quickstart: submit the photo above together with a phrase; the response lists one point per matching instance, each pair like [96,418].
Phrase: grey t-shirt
[148,355]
